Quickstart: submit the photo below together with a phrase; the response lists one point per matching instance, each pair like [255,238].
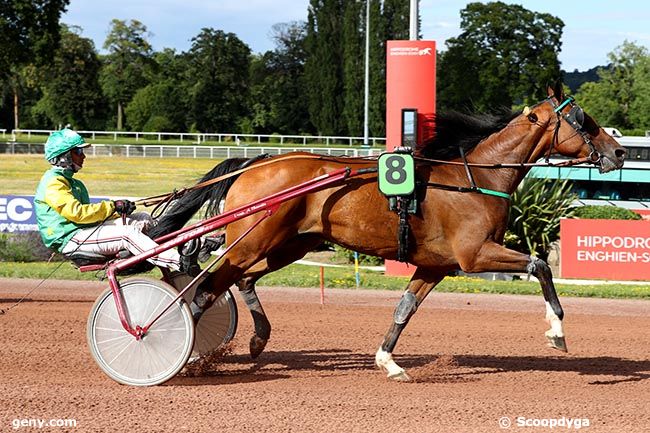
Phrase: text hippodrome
[618,242]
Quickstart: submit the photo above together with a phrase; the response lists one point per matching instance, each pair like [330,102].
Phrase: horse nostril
[620,153]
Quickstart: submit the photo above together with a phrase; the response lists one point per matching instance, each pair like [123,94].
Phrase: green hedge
[605,212]
[22,247]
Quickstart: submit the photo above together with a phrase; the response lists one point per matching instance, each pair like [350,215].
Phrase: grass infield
[297,275]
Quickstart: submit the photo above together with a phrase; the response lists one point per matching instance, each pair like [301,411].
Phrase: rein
[165,199]
[568,163]
[162,201]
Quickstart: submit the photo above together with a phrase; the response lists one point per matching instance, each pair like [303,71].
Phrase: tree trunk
[16,124]
[119,116]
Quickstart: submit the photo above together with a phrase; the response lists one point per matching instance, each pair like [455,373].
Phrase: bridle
[575,118]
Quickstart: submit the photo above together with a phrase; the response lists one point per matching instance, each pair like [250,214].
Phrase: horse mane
[454,129]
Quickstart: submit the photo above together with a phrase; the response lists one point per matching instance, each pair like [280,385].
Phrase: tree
[640,106]
[396,16]
[353,66]
[127,65]
[377,69]
[72,93]
[29,33]
[278,86]
[505,55]
[324,66]
[156,107]
[218,68]
[163,104]
[620,98]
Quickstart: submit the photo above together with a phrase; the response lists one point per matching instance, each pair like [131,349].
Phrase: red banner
[410,84]
[608,249]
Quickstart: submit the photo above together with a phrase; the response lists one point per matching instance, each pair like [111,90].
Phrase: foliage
[396,17]
[573,80]
[535,212]
[377,69]
[22,247]
[277,86]
[308,276]
[605,212]
[311,82]
[153,103]
[324,66]
[620,97]
[218,65]
[127,65]
[29,35]
[504,56]
[353,68]
[29,32]
[80,104]
[347,256]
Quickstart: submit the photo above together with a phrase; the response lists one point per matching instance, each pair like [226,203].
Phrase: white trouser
[113,236]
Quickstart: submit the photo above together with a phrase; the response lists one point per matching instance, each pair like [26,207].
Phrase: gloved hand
[124,207]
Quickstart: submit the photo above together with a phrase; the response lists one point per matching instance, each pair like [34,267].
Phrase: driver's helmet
[61,142]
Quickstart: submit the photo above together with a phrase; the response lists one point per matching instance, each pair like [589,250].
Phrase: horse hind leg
[418,288]
[292,250]
[261,323]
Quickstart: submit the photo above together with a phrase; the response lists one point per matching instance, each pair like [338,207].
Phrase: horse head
[576,134]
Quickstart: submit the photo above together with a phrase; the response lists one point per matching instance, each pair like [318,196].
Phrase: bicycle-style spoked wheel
[218,323]
[160,353]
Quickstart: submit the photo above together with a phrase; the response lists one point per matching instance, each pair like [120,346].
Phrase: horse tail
[185,207]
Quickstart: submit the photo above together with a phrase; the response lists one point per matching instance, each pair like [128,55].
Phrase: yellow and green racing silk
[63,207]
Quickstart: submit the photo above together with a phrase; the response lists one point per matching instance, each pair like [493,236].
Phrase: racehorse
[453,228]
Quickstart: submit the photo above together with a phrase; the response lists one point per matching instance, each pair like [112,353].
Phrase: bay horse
[451,230]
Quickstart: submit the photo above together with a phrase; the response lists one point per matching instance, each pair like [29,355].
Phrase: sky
[592,29]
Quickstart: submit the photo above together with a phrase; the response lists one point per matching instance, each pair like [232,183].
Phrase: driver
[69,223]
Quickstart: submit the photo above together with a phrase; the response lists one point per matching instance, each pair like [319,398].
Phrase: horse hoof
[400,377]
[558,343]
[257,346]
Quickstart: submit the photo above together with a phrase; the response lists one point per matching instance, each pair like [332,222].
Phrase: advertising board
[608,249]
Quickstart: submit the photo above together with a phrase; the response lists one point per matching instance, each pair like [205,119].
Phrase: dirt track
[475,359]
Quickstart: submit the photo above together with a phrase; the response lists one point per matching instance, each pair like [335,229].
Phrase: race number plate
[396,174]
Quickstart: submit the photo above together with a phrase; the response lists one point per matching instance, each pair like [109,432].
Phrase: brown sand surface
[474,359]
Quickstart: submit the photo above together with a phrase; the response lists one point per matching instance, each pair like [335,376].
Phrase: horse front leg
[493,257]
[422,282]
[554,313]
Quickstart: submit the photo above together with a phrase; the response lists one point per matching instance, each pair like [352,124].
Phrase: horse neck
[512,146]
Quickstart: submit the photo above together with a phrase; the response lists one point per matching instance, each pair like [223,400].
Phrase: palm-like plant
[535,212]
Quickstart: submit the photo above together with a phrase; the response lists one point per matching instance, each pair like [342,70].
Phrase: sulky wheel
[218,323]
[164,349]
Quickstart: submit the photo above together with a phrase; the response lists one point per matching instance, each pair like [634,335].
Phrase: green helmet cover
[59,142]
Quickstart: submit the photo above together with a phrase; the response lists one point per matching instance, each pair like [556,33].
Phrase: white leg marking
[555,322]
[384,360]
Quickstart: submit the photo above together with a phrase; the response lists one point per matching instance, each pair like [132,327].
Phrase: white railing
[199,138]
[189,151]
[4,133]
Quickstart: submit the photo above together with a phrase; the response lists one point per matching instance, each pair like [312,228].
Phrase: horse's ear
[556,89]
